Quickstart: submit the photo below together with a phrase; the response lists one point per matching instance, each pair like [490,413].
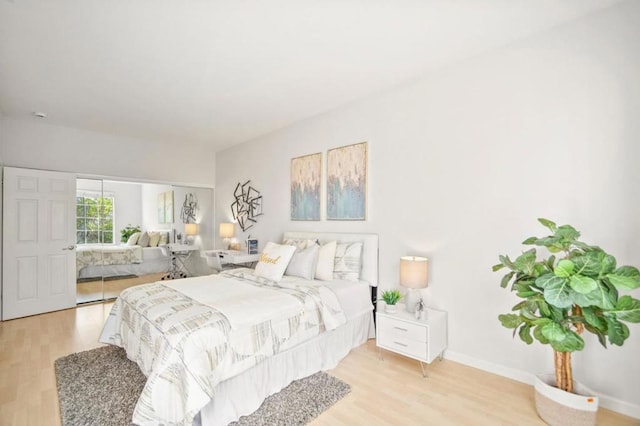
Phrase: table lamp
[190,230]
[226,232]
[413,276]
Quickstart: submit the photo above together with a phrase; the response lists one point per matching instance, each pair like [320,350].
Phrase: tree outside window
[94,219]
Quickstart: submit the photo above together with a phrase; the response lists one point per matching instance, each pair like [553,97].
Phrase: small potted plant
[562,297]
[390,298]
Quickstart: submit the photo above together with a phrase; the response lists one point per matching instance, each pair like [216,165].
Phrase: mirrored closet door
[129,233]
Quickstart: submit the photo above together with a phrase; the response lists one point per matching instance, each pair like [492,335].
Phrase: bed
[120,260]
[242,337]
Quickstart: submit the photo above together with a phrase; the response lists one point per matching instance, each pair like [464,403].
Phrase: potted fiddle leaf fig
[577,288]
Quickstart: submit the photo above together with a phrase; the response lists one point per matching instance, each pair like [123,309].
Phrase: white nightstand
[400,332]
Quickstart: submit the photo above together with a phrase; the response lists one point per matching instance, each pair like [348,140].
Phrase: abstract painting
[165,207]
[306,175]
[347,182]
[168,207]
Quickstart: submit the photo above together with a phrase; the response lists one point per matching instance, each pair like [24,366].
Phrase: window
[94,219]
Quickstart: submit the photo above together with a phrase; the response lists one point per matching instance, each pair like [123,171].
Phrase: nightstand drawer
[401,329]
[400,344]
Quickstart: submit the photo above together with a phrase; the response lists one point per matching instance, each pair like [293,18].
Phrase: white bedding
[151,260]
[243,393]
[187,346]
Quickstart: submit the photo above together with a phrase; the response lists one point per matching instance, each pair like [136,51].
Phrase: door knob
[71,247]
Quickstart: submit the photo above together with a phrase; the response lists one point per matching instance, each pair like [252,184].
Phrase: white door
[38,266]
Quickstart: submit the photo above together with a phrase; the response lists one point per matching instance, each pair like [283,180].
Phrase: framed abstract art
[306,178]
[347,182]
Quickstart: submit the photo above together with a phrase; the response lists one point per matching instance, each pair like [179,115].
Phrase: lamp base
[411,300]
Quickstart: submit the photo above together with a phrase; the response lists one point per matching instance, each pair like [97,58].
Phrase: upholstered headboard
[369,271]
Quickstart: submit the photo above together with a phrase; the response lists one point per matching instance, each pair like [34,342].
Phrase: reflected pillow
[303,263]
[143,240]
[154,239]
[164,238]
[348,261]
[299,244]
[133,239]
[274,260]
[324,267]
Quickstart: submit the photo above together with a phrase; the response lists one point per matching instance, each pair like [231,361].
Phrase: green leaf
[547,223]
[549,279]
[571,343]
[537,333]
[594,264]
[510,320]
[627,309]
[567,232]
[506,279]
[564,268]
[617,331]
[525,261]
[525,334]
[497,267]
[556,290]
[625,278]
[506,261]
[519,306]
[582,284]
[554,332]
[594,319]
[544,308]
[602,297]
[530,240]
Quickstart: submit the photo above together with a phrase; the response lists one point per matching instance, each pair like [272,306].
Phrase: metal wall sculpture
[189,208]
[247,205]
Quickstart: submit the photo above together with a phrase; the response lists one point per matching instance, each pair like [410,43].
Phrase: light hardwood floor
[92,291]
[384,392]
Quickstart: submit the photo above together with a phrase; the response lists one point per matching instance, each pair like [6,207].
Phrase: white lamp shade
[413,271]
[227,230]
[191,228]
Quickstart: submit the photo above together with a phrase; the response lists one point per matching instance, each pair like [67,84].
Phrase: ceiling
[221,72]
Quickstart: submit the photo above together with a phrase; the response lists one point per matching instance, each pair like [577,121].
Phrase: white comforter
[189,335]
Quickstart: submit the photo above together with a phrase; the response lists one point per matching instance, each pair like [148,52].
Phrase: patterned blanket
[107,255]
[186,346]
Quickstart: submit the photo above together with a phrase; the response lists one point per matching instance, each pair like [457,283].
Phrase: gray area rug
[101,387]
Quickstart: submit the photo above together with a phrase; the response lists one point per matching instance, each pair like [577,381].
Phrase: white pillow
[303,263]
[324,267]
[133,239]
[143,240]
[154,239]
[274,260]
[347,261]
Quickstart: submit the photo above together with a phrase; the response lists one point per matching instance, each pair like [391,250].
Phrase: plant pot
[390,309]
[557,407]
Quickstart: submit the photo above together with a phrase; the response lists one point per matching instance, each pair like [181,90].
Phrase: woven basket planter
[559,408]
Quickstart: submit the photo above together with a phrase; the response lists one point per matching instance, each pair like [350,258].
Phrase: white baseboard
[613,404]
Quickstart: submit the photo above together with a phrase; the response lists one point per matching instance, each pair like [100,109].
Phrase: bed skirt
[243,394]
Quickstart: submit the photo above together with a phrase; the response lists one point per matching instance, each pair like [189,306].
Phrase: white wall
[462,162]
[35,144]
